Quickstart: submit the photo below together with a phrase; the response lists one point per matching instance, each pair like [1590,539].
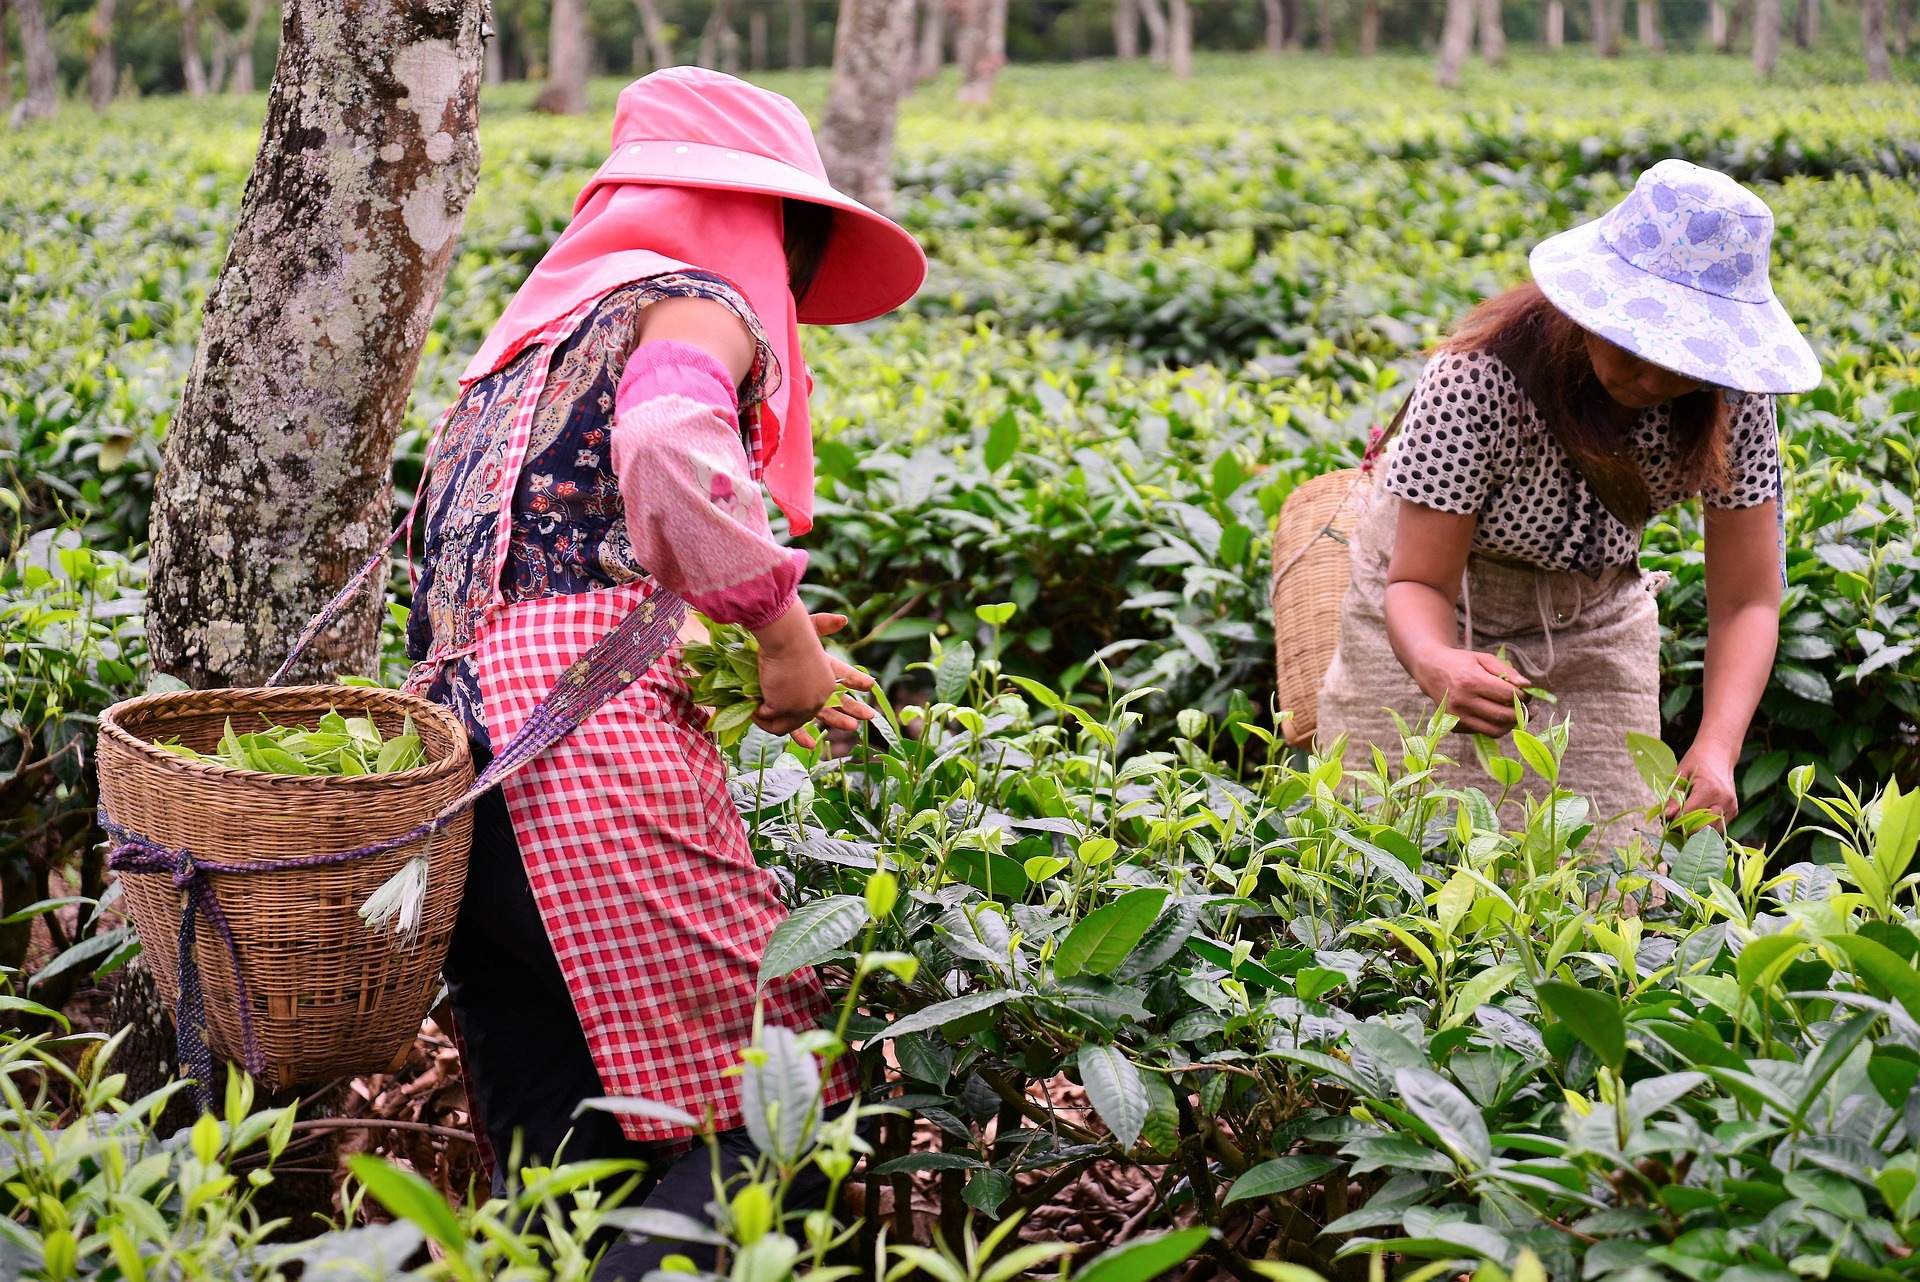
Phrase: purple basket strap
[341,600]
[611,665]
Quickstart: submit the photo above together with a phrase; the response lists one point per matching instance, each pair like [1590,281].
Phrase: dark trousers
[527,1064]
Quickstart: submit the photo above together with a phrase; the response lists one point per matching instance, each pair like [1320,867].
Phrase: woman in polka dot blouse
[1501,549]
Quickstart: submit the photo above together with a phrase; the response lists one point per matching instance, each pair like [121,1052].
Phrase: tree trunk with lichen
[872,41]
[275,486]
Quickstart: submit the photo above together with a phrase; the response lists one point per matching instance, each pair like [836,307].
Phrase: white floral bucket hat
[1677,274]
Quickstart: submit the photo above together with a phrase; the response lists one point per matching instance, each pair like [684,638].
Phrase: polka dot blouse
[1474,443]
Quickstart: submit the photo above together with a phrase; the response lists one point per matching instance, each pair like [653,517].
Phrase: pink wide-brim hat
[690,127]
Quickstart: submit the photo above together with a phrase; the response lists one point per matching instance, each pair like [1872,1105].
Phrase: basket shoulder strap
[1378,444]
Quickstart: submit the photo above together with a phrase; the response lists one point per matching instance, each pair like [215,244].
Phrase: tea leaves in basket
[336,746]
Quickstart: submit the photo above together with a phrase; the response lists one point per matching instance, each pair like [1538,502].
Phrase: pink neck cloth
[626,232]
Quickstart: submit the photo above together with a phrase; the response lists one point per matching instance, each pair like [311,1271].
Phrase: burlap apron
[1593,642]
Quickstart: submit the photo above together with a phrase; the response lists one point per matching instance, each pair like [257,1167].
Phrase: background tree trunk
[36,52]
[1180,38]
[653,31]
[713,35]
[1493,33]
[102,75]
[1325,33]
[932,53]
[1553,31]
[1296,23]
[6,65]
[240,78]
[981,49]
[493,66]
[191,67]
[1736,21]
[1806,23]
[1901,36]
[1873,34]
[1456,39]
[796,33]
[757,38]
[1766,36]
[871,42]
[1647,14]
[565,93]
[275,485]
[1369,28]
[1275,39]
[1606,28]
[1126,30]
[1717,36]
[1155,16]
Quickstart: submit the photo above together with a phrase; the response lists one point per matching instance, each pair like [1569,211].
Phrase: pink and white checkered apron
[635,854]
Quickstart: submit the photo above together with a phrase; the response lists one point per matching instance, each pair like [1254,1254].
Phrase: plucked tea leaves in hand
[726,670]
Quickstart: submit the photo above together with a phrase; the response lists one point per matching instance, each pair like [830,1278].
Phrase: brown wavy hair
[1547,354]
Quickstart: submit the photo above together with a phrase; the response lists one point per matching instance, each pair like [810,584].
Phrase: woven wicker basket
[1310,576]
[331,996]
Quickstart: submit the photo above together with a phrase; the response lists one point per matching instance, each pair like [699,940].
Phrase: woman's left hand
[841,712]
[1708,772]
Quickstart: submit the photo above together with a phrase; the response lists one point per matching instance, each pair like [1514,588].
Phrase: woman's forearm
[1420,626]
[1740,649]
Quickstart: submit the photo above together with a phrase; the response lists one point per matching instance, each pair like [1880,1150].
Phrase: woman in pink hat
[611,438]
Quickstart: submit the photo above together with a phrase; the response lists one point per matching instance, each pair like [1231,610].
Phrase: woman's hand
[1708,771]
[1477,688]
[798,677]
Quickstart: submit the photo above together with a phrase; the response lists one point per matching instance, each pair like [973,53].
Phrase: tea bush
[1431,1039]
[1328,1017]
[1153,309]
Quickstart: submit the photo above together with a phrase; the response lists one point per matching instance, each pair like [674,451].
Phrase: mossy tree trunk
[275,485]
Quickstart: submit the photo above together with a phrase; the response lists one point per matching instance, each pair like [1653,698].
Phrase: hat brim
[1749,347]
[871,264]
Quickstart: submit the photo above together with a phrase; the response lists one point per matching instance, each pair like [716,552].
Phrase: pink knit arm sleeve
[694,512]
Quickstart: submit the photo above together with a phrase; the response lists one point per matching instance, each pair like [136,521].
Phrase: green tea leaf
[1145,1258]
[1102,939]
[1453,1117]
[1280,1175]
[810,934]
[1591,1015]
[1115,1090]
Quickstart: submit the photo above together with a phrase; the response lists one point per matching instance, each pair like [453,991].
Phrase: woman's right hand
[1475,687]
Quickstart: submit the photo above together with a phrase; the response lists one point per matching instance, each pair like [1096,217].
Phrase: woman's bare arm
[1743,631]
[1430,551]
